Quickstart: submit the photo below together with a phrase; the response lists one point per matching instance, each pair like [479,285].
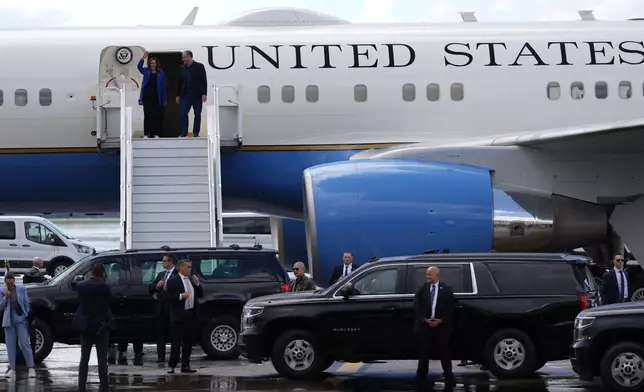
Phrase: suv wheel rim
[39,340]
[59,269]
[509,354]
[638,295]
[223,338]
[628,369]
[299,354]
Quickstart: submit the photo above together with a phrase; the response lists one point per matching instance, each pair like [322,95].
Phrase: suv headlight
[581,324]
[249,314]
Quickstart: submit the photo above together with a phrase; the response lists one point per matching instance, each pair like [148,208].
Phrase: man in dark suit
[157,289]
[181,292]
[434,308]
[617,287]
[343,269]
[94,321]
[193,92]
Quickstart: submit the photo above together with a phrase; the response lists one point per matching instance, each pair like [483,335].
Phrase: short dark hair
[349,252]
[183,261]
[171,257]
[188,52]
[155,59]
[98,270]
[9,276]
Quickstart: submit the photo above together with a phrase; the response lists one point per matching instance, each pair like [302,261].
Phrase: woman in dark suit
[94,321]
[153,96]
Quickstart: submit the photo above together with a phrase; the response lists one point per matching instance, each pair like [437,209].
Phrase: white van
[24,237]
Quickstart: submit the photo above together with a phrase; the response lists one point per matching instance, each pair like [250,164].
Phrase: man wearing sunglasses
[301,282]
[617,287]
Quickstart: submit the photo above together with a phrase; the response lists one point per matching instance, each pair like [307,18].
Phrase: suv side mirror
[347,290]
[74,282]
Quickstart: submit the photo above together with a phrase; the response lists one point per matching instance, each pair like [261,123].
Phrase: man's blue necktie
[432,293]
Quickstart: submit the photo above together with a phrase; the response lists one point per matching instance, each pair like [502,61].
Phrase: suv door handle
[391,307]
[120,296]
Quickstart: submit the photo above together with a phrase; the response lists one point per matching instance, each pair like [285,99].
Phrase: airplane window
[21,97]
[554,91]
[45,97]
[409,92]
[360,93]
[457,92]
[601,90]
[312,93]
[433,92]
[288,94]
[577,90]
[625,90]
[1,98]
[264,94]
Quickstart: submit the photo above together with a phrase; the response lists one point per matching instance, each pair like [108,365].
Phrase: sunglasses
[296,269]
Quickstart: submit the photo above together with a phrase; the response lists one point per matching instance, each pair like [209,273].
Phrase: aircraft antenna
[468,16]
[586,14]
[190,19]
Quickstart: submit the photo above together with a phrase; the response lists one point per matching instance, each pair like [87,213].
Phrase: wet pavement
[59,373]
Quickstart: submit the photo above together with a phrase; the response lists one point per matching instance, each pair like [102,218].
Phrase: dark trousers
[434,340]
[187,102]
[152,118]
[101,341]
[137,345]
[183,333]
[164,332]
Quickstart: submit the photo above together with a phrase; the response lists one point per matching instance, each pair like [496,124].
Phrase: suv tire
[306,359]
[510,353]
[46,338]
[623,356]
[219,338]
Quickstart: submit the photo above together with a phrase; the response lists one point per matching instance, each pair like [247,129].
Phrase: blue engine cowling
[389,207]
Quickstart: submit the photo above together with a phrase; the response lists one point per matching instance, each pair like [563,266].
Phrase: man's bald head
[37,262]
[432,275]
[298,269]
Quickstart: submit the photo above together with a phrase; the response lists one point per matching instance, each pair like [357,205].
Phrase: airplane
[385,139]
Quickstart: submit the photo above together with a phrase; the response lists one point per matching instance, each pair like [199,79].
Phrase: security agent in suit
[181,293]
[94,321]
[301,281]
[344,269]
[157,289]
[434,305]
[617,287]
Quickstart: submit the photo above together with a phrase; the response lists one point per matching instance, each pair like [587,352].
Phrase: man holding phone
[434,307]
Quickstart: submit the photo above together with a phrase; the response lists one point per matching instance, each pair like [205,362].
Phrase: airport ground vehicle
[230,276]
[515,312]
[609,342]
[24,237]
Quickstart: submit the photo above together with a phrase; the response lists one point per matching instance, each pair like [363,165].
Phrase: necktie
[346,270]
[621,285]
[167,275]
[432,293]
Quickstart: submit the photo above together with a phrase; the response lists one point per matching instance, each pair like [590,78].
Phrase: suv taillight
[284,287]
[583,301]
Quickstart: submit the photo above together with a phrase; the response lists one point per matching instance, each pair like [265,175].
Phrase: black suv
[230,277]
[515,312]
[609,342]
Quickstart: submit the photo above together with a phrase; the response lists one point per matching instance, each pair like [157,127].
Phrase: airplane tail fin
[190,19]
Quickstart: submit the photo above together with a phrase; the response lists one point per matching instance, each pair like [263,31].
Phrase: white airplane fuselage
[420,83]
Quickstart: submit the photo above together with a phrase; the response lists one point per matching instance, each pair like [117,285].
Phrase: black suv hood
[614,309]
[282,298]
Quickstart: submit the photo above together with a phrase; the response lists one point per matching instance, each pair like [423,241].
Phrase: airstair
[171,187]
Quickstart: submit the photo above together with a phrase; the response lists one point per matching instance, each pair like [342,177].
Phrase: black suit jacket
[95,307]
[174,288]
[445,304]
[338,270]
[160,303]
[198,84]
[610,291]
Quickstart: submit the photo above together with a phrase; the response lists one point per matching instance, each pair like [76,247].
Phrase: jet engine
[393,207]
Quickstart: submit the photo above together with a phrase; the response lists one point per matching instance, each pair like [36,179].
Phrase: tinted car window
[147,266]
[585,277]
[546,278]
[7,231]
[232,267]
[115,270]
[457,276]
[379,282]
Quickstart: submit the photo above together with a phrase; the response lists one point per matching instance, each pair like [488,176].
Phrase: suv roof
[492,257]
[234,247]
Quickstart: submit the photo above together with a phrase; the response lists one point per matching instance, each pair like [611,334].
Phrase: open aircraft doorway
[170,64]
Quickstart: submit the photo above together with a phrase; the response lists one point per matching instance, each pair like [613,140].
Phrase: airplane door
[118,69]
